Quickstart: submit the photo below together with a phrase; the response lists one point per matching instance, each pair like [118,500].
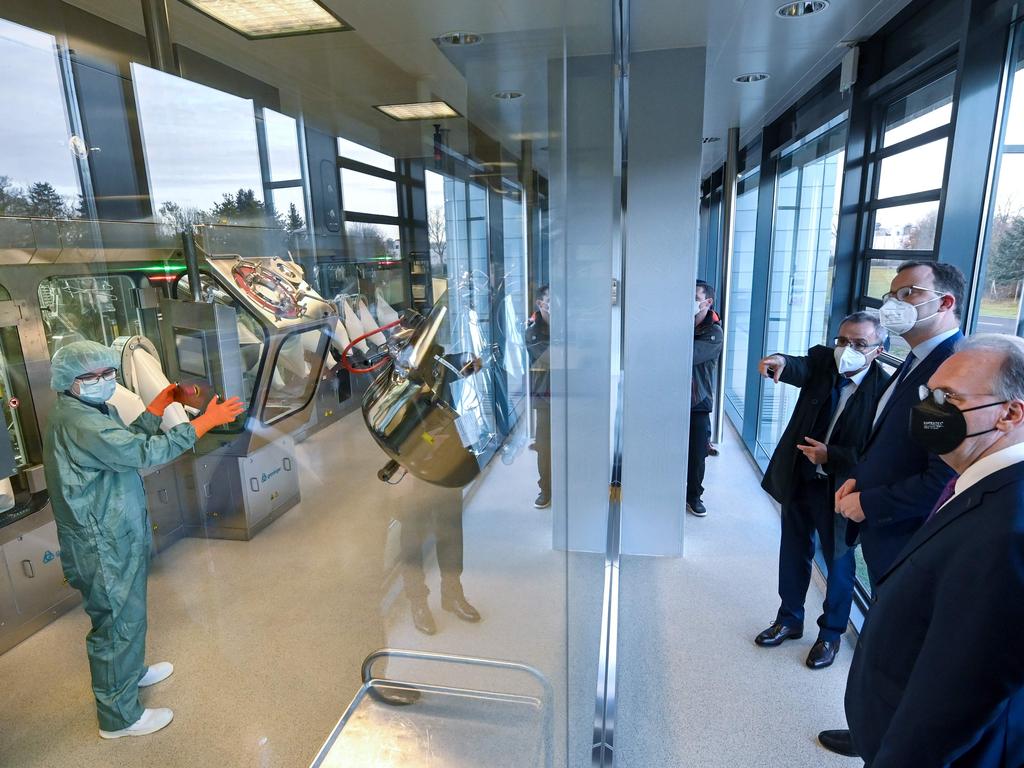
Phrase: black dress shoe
[423,618]
[777,634]
[823,653]
[697,508]
[459,605]
[838,742]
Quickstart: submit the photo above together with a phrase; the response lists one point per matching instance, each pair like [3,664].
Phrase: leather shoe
[423,618]
[459,605]
[823,653]
[777,634]
[838,742]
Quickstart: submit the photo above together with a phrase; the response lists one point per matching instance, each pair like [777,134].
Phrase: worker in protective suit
[92,462]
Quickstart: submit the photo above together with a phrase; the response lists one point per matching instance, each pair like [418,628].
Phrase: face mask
[96,392]
[849,360]
[941,428]
[900,316]
[696,308]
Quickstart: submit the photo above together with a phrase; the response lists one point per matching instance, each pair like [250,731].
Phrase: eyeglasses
[91,378]
[857,344]
[902,294]
[939,396]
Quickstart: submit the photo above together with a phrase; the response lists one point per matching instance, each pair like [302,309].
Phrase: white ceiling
[335,79]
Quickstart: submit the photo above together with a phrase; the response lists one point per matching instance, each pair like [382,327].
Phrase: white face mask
[849,360]
[696,307]
[901,316]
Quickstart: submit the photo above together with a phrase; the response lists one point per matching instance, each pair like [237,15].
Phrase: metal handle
[27,569]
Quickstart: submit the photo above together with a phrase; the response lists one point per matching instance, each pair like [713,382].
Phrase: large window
[909,159]
[803,248]
[284,170]
[38,176]
[741,284]
[1001,283]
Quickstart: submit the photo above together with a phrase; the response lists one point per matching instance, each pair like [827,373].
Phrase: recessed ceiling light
[260,19]
[421,110]
[460,38]
[711,139]
[804,8]
[507,95]
[751,77]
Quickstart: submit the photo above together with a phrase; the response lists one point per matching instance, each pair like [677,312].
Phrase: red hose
[344,355]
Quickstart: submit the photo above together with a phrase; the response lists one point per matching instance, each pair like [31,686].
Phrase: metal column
[158,36]
[727,240]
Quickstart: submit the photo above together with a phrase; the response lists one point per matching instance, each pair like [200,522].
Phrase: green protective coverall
[92,462]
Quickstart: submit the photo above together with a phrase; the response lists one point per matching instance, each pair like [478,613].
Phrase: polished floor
[267,637]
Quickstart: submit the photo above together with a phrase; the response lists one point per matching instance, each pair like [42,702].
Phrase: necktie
[905,369]
[946,495]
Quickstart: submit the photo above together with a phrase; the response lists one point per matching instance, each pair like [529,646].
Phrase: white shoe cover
[156,673]
[152,720]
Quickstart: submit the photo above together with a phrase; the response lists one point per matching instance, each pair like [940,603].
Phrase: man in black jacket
[538,341]
[707,348]
[817,453]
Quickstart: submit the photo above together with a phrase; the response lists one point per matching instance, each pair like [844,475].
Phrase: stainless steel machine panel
[270,481]
[33,562]
[166,517]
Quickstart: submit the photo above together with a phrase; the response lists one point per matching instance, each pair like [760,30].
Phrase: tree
[920,236]
[437,232]
[12,198]
[293,222]
[368,240]
[1006,255]
[175,219]
[45,202]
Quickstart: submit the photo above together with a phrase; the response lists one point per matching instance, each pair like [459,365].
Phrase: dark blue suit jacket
[898,480]
[938,675]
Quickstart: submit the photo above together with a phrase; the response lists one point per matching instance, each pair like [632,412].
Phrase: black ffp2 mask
[941,428]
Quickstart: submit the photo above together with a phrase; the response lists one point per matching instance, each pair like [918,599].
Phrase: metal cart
[396,723]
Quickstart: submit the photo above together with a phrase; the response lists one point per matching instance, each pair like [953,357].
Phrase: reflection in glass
[906,227]
[290,207]
[88,308]
[362,193]
[202,158]
[282,146]
[37,170]
[10,350]
[362,154]
[291,384]
[741,288]
[916,170]
[924,109]
[803,248]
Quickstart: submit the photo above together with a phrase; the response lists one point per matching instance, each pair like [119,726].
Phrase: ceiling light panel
[422,110]
[801,9]
[751,77]
[260,19]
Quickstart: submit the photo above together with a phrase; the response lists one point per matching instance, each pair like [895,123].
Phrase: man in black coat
[707,348]
[816,453]
[538,343]
[938,675]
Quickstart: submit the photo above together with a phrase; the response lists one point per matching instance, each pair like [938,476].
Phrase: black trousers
[443,521]
[542,444]
[700,434]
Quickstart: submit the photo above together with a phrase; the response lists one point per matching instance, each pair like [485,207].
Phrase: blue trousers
[812,510]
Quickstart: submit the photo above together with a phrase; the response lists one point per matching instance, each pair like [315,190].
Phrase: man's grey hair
[1008,382]
[881,334]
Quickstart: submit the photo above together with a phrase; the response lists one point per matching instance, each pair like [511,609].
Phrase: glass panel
[437,223]
[880,275]
[742,284]
[515,308]
[362,193]
[202,158]
[37,170]
[90,307]
[803,249]
[282,146]
[354,151]
[921,111]
[290,208]
[373,241]
[294,376]
[916,170]
[906,227]
[1015,107]
[10,355]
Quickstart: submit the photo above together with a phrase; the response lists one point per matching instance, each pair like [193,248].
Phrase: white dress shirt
[987,465]
[920,352]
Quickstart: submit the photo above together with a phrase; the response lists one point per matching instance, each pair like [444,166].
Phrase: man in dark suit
[897,481]
[816,453]
[938,675]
